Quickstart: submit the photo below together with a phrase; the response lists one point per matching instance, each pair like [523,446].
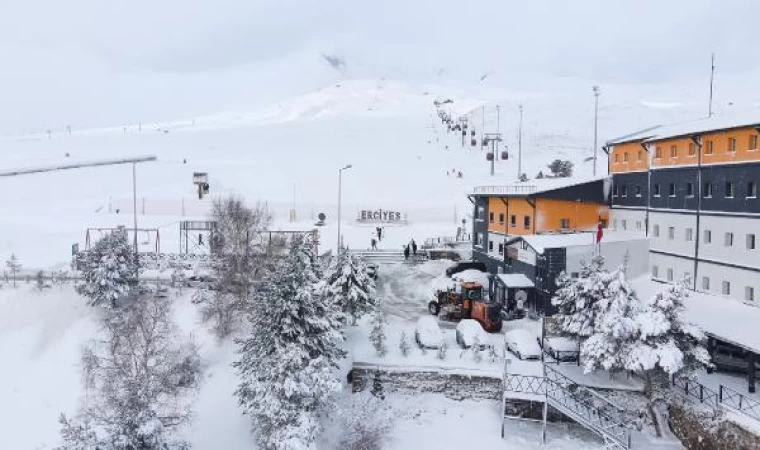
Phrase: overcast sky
[96,62]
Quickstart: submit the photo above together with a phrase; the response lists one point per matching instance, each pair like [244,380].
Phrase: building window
[706,283]
[728,239]
[707,190]
[617,157]
[655,271]
[672,189]
[641,153]
[512,220]
[501,218]
[657,152]
[708,236]
[564,224]
[709,148]
[490,217]
[749,293]
[670,274]
[656,190]
[574,274]
[673,151]
[490,245]
[726,290]
[656,231]
[751,189]
[624,190]
[614,224]
[624,224]
[690,189]
[501,248]
[753,142]
[638,225]
[615,191]
[479,239]
[671,233]
[638,191]
[625,157]
[481,213]
[526,222]
[731,144]
[729,189]
[692,149]
[750,242]
[687,277]
[689,234]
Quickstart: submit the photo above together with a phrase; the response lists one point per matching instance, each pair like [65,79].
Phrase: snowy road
[405,289]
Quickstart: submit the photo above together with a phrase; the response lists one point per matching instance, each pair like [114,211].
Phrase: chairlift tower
[200,179]
[198,237]
[493,139]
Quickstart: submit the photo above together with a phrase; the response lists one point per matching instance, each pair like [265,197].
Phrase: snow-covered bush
[441,354]
[475,349]
[403,344]
[362,422]
[139,378]
[286,363]
[377,334]
[109,270]
[350,286]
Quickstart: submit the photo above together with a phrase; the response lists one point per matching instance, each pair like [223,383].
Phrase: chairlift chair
[489,156]
[504,155]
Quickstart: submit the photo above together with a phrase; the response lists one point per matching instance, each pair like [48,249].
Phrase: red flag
[599,231]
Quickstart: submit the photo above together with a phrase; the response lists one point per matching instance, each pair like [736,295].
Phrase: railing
[505,190]
[525,384]
[697,391]
[432,242]
[739,402]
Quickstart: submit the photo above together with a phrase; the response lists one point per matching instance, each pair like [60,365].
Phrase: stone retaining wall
[707,432]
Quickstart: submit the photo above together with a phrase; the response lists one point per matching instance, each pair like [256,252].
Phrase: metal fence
[725,397]
[696,391]
[505,190]
[739,402]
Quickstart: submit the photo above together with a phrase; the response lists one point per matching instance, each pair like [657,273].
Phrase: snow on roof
[717,122]
[639,135]
[536,186]
[472,276]
[725,318]
[541,242]
[516,280]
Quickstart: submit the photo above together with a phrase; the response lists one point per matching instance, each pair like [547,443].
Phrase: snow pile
[472,276]
[470,331]
[427,333]
[523,343]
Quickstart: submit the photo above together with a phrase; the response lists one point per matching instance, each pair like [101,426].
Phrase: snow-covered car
[522,343]
[561,348]
[467,332]
[201,281]
[427,333]
[372,271]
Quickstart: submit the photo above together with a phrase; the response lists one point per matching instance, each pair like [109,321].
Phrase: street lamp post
[596,121]
[340,199]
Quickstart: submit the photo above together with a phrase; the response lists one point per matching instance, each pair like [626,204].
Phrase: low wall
[704,432]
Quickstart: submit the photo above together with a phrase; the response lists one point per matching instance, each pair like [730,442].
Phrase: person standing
[374,243]
[379,233]
[406,253]
[414,248]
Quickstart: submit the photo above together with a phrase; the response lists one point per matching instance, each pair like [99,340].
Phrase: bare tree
[14,266]
[239,259]
[139,380]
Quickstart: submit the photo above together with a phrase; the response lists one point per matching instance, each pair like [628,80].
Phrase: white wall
[614,255]
[680,267]
[680,222]
[634,220]
[737,253]
[738,278]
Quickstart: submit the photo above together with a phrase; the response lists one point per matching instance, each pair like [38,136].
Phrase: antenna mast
[712,77]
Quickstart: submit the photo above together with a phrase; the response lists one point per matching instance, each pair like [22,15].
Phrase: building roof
[637,136]
[515,280]
[717,122]
[540,242]
[536,186]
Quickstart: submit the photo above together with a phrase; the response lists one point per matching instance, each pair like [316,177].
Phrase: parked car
[427,333]
[468,330]
[466,265]
[202,281]
[522,343]
[561,348]
[372,271]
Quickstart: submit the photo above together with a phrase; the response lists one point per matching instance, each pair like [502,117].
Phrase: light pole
[340,198]
[596,121]
[519,145]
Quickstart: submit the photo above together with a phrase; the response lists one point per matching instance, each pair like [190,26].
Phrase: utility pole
[519,145]
[498,121]
[134,217]
[596,122]
[493,140]
[712,77]
[340,196]
[482,124]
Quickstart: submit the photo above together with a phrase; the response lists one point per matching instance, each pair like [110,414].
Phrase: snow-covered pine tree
[377,334]
[286,362]
[109,270]
[350,286]
[14,266]
[667,344]
[615,327]
[576,299]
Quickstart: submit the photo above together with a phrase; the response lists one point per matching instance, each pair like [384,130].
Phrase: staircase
[388,256]
[581,404]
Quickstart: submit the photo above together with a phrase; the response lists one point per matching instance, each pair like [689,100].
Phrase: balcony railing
[505,190]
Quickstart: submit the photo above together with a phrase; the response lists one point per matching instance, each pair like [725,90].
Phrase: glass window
[481,213]
[641,154]
[638,225]
[655,271]
[617,159]
[690,189]
[671,233]
[729,189]
[656,231]
[751,189]
[672,189]
[708,236]
[732,144]
[728,239]
[692,150]
[656,190]
[750,242]
[638,191]
[670,274]
[501,217]
[753,142]
[726,288]
[490,217]
[512,220]
[501,248]
[689,234]
[564,223]
[614,224]
[709,148]
[707,190]
[625,157]
[673,151]
[624,191]
[706,283]
[658,152]
[490,245]
[526,222]
[749,293]
[625,225]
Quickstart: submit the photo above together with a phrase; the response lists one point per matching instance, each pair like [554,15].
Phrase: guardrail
[505,190]
[739,402]
[697,391]
[725,397]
